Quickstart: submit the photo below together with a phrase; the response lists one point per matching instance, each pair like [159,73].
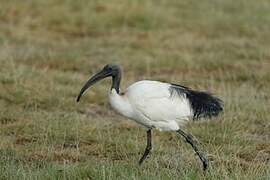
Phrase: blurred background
[49,48]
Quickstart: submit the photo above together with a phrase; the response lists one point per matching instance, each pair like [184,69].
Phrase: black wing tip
[206,105]
[203,104]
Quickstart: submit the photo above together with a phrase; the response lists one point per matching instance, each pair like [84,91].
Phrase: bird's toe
[205,162]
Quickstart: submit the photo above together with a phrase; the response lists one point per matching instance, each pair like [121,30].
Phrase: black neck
[116,79]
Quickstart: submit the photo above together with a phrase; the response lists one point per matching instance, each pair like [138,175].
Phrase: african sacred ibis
[159,105]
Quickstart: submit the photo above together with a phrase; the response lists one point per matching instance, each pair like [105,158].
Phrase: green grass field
[48,49]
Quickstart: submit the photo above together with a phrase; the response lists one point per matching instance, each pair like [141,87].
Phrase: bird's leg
[190,139]
[148,146]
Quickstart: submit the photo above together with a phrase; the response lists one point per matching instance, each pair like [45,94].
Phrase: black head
[112,69]
[107,71]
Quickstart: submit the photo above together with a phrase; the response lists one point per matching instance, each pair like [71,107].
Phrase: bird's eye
[107,68]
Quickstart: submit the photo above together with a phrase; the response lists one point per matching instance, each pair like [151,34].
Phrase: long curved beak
[97,77]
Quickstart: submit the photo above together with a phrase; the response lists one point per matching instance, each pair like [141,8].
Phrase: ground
[48,49]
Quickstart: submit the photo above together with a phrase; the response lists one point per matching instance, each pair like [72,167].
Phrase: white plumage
[159,105]
[151,104]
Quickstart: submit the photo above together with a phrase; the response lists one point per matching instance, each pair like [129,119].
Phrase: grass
[49,48]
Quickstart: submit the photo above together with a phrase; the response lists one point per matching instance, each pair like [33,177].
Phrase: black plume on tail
[203,104]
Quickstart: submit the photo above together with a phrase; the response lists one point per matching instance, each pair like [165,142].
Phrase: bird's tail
[204,104]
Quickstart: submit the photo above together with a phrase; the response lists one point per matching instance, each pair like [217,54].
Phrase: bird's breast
[121,104]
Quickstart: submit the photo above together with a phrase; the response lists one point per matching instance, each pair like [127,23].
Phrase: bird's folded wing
[161,107]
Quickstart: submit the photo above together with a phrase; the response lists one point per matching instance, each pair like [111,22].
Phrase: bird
[158,105]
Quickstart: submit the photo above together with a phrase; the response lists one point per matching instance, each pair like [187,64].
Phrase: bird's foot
[204,160]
